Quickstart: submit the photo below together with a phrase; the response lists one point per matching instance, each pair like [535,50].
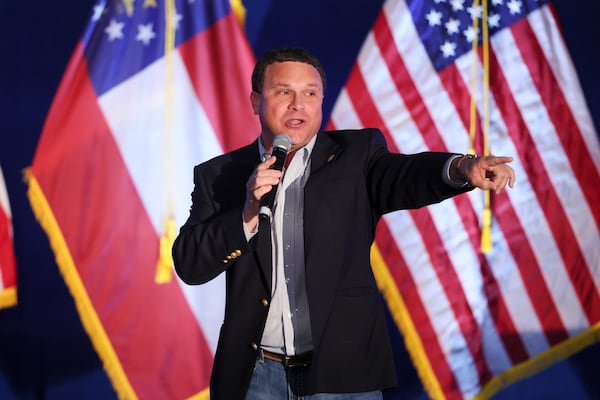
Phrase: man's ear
[255,99]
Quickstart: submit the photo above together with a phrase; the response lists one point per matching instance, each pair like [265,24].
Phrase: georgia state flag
[153,88]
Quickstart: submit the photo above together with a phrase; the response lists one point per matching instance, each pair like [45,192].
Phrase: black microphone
[281,144]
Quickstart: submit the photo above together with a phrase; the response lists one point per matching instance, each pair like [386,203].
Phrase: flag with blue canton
[446,26]
[136,29]
[478,315]
[149,93]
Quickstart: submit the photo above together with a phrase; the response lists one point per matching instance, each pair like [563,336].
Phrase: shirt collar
[306,150]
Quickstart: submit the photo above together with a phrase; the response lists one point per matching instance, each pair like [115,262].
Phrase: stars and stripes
[446,27]
[469,318]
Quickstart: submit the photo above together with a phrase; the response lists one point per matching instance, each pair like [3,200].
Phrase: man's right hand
[260,183]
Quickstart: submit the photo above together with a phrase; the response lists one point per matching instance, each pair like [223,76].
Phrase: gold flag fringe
[415,348]
[402,318]
[203,395]
[89,318]
[8,297]
[543,360]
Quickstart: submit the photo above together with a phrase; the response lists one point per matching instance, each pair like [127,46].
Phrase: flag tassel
[486,226]
[164,266]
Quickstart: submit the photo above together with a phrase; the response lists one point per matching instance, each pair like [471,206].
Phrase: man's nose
[297,103]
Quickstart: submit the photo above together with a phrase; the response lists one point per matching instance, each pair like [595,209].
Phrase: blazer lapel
[248,159]
[320,280]
[324,152]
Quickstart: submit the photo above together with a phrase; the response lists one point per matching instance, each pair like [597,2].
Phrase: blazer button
[265,302]
[238,253]
[254,346]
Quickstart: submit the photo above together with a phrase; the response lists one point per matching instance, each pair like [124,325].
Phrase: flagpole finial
[128,7]
[239,10]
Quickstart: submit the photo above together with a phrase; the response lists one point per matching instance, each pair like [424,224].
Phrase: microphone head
[282,141]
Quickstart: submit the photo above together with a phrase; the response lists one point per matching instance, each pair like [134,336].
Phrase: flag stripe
[412,296]
[8,276]
[517,352]
[539,236]
[459,93]
[529,266]
[113,171]
[517,245]
[223,54]
[8,268]
[508,219]
[455,86]
[404,84]
[150,140]
[548,36]
[144,134]
[525,296]
[450,79]
[553,203]
[544,24]
[108,228]
[385,244]
[402,80]
[565,124]
[433,244]
[585,173]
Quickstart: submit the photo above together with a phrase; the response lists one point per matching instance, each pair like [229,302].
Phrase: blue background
[44,351]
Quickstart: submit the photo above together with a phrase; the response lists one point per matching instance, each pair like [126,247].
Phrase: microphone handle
[267,201]
[281,154]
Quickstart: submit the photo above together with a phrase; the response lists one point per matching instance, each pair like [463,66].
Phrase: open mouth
[294,122]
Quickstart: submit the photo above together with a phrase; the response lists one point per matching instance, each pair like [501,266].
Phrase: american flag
[8,267]
[148,94]
[477,321]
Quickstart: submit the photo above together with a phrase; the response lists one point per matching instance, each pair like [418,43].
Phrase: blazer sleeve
[406,181]
[212,239]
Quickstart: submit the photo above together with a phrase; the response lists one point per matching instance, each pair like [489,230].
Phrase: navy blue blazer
[354,180]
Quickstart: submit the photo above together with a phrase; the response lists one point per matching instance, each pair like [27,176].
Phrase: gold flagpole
[164,268]
[486,225]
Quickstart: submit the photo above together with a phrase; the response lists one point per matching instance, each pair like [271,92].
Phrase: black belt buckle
[299,360]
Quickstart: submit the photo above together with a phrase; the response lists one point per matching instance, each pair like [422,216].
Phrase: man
[303,315]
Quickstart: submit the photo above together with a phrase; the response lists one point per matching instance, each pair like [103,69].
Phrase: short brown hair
[283,54]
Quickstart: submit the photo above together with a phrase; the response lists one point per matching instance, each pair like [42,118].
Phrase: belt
[298,360]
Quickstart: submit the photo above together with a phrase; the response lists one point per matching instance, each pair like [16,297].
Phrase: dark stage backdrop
[44,352]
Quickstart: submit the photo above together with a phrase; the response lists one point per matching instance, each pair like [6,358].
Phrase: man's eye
[284,92]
